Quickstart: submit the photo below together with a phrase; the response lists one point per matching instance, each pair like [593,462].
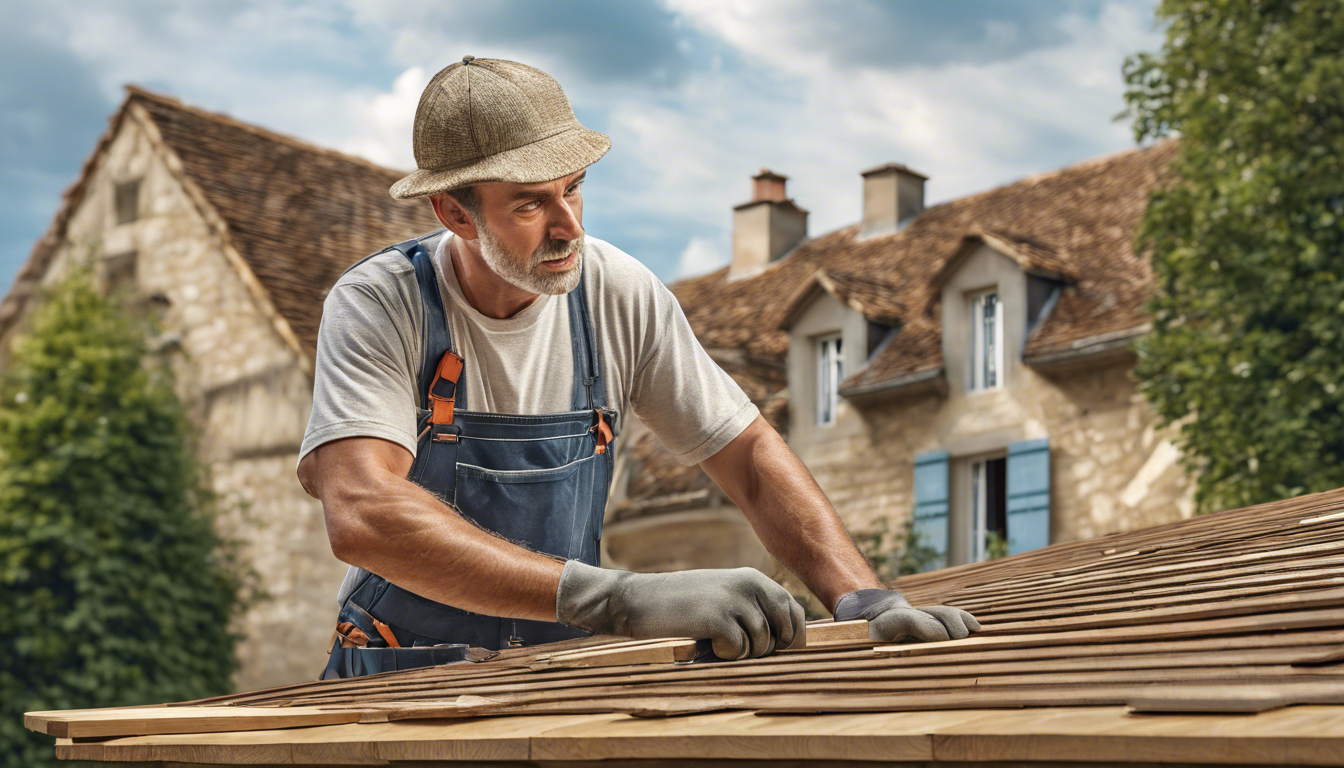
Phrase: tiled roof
[297,214]
[1077,223]
[873,299]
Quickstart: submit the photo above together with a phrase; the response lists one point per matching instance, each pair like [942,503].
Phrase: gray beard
[529,277]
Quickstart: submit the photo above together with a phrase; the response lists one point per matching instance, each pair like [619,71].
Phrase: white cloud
[381,122]
[683,153]
[756,85]
[700,255]
[969,126]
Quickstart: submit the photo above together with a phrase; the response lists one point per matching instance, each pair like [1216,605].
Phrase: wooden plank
[639,652]
[671,701]
[129,721]
[1049,696]
[846,663]
[1323,518]
[1148,603]
[1323,598]
[1045,584]
[1332,617]
[665,652]
[1309,735]
[1284,737]
[875,674]
[718,737]
[821,634]
[1297,570]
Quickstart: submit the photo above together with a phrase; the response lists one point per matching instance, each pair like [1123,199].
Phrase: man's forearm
[789,512]
[386,524]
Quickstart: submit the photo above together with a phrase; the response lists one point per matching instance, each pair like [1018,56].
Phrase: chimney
[767,227]
[892,195]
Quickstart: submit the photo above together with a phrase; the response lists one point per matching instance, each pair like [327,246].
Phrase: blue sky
[697,95]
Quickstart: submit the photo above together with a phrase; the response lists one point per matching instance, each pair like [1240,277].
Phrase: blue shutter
[1028,495]
[931,503]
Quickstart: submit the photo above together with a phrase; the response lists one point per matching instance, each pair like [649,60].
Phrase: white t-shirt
[368,356]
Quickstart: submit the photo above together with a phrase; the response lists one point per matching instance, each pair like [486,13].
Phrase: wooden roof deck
[1214,640]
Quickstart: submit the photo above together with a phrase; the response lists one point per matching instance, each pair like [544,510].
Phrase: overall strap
[588,389]
[435,339]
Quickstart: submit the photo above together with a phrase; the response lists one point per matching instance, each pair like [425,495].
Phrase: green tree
[1247,348]
[116,588]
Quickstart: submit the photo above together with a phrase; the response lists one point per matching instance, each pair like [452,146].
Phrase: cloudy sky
[697,95]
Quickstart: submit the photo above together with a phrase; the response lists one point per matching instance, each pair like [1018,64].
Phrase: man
[468,394]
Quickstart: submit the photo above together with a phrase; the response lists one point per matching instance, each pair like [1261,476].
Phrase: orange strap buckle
[386,632]
[350,635]
[602,430]
[443,390]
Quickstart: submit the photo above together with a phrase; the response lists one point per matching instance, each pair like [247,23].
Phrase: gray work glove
[892,619]
[741,610]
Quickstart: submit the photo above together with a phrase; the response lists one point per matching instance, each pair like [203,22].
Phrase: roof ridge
[134,90]
[1037,178]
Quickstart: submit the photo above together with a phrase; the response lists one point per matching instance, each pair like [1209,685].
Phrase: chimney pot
[768,185]
[767,227]
[892,195]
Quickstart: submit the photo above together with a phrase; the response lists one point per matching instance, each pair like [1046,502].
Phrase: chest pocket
[507,502]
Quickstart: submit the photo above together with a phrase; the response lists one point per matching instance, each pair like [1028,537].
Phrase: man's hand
[742,611]
[892,619]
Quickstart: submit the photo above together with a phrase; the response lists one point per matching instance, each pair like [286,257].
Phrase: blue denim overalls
[538,481]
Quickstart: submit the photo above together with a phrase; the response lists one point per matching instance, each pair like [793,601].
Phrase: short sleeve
[362,383]
[691,404]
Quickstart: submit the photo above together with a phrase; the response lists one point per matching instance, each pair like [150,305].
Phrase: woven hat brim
[562,154]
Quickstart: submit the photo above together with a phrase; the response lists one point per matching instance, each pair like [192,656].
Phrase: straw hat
[495,120]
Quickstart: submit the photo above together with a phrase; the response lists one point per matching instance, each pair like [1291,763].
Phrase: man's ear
[453,216]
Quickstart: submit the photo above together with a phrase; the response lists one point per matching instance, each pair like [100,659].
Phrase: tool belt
[363,645]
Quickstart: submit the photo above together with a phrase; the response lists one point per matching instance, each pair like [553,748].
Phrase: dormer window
[986,341]
[830,372]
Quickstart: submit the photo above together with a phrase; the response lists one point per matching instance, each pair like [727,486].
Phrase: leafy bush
[1247,348]
[115,586]
[895,552]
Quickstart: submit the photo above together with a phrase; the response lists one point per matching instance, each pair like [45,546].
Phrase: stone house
[234,234]
[964,367]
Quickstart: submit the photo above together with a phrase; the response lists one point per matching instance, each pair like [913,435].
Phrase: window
[986,342]
[127,199]
[830,372]
[989,508]
[119,272]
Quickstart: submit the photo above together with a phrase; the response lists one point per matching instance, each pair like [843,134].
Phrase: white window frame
[979,504]
[830,372]
[986,359]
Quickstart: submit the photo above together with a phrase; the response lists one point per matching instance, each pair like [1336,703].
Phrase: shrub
[116,588]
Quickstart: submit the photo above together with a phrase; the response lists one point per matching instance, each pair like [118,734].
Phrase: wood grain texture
[1308,735]
[1083,644]
[817,635]
[98,723]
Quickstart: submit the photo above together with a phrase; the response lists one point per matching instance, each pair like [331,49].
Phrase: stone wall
[1111,468]
[245,388]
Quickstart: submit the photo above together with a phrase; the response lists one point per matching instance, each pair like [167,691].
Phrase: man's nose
[564,223]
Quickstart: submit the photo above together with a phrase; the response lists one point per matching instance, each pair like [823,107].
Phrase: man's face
[531,235]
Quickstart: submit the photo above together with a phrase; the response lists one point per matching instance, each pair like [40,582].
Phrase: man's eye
[573,189]
[532,206]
